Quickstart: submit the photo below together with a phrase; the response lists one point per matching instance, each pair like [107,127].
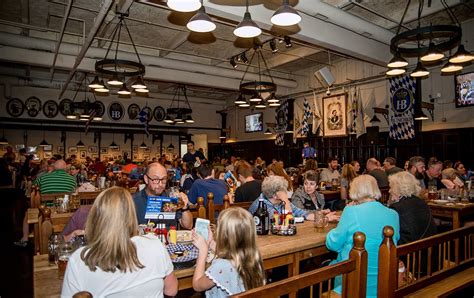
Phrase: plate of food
[184,237]
[441,202]
[182,255]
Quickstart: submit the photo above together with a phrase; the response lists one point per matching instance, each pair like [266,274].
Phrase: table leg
[456,220]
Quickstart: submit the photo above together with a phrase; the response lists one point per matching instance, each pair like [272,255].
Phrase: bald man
[57,181]
[155,179]
[374,170]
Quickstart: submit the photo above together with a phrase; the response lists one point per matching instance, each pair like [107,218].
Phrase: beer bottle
[266,219]
[261,223]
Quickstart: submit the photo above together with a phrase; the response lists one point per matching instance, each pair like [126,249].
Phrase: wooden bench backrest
[213,208]
[354,280]
[88,197]
[429,260]
[244,205]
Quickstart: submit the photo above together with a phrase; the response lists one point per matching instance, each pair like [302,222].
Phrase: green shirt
[56,182]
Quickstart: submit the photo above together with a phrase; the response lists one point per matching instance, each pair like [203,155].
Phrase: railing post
[387,275]
[226,202]
[211,209]
[357,279]
[201,208]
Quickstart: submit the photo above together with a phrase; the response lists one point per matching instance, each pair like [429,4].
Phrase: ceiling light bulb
[96,83]
[184,5]
[255,98]
[451,67]
[285,15]
[247,28]
[397,61]
[395,72]
[461,56]
[244,105]
[139,84]
[102,89]
[420,71]
[124,90]
[240,100]
[115,81]
[142,90]
[260,105]
[274,104]
[267,132]
[433,54]
[201,22]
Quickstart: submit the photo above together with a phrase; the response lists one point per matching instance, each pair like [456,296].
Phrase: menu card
[161,207]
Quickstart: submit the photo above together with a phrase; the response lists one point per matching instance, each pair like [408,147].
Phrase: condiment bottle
[276,218]
[164,234]
[172,235]
[288,217]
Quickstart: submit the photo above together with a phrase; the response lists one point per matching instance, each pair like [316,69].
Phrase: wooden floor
[17,263]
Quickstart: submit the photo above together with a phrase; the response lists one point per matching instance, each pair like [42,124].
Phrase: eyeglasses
[158,180]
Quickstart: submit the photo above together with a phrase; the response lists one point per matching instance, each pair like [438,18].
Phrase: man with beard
[416,167]
[331,172]
[433,173]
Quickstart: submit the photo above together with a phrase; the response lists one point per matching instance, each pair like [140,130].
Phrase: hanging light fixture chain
[247,68]
[452,16]
[403,17]
[118,42]
[131,40]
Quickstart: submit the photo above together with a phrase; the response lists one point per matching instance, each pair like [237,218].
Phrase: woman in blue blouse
[365,215]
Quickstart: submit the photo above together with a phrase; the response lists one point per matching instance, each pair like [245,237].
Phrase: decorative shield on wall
[33,106]
[15,107]
[159,113]
[50,108]
[116,111]
[65,107]
[100,108]
[148,114]
[133,111]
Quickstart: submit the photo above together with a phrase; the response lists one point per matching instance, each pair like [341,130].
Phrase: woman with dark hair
[306,197]
[461,171]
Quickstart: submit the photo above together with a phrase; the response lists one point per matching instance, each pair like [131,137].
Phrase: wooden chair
[245,205]
[198,210]
[51,198]
[440,264]
[88,197]
[385,195]
[49,224]
[213,208]
[353,270]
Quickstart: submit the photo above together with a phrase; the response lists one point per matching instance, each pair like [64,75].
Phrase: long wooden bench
[439,264]
[353,271]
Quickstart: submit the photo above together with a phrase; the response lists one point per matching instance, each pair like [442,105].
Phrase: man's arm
[186,220]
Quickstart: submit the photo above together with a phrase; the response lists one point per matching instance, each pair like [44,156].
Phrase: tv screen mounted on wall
[254,122]
[464,86]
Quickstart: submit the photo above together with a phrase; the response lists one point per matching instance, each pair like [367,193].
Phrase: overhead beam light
[461,56]
[233,63]
[273,46]
[184,5]
[397,61]
[96,83]
[420,71]
[287,40]
[451,67]
[285,15]
[432,55]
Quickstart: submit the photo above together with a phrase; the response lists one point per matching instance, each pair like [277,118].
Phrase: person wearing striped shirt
[57,181]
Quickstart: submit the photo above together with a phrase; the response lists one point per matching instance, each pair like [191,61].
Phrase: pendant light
[115,81]
[201,22]
[143,145]
[80,144]
[113,145]
[170,147]
[240,100]
[419,115]
[168,120]
[244,105]
[273,99]
[260,105]
[285,15]
[374,119]
[143,91]
[184,5]
[247,28]
[432,55]
[124,90]
[43,142]
[139,84]
[274,104]
[397,61]
[451,67]
[395,71]
[189,119]
[461,56]
[420,71]
[96,83]
[102,89]
[267,132]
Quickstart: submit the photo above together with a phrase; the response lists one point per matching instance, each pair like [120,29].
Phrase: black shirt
[380,176]
[249,191]
[188,157]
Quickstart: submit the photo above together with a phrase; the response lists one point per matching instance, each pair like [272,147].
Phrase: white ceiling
[330,31]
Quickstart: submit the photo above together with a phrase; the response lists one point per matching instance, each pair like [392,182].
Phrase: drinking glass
[432,192]
[320,220]
[53,243]
[64,253]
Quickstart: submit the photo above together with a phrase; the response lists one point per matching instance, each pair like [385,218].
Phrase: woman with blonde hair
[237,265]
[116,261]
[368,216]
[348,174]
[416,221]
[450,179]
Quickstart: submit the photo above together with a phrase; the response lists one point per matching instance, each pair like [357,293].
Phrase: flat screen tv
[464,89]
[254,122]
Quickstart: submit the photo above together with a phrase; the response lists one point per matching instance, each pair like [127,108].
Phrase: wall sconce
[382,111]
[430,107]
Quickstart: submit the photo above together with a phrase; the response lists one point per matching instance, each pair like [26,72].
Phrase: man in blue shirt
[193,155]
[308,152]
[206,184]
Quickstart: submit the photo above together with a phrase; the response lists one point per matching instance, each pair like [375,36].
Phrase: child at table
[237,265]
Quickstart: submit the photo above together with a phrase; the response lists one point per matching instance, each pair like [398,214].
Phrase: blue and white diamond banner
[402,101]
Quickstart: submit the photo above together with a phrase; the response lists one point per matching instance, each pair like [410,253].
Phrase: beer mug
[64,253]
[432,192]
[320,220]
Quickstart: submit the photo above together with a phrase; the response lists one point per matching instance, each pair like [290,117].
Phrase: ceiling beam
[290,56]
[90,37]
[173,43]
[61,35]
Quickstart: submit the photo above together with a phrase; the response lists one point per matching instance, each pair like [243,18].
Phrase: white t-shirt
[145,282]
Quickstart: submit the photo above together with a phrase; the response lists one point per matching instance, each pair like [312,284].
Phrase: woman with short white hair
[415,217]
[365,215]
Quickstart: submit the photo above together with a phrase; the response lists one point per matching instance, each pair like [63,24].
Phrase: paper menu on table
[161,207]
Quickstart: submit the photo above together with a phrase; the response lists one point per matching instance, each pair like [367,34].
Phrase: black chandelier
[119,69]
[258,93]
[428,44]
[180,110]
[85,110]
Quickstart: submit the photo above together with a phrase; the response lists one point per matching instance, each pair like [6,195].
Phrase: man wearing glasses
[155,179]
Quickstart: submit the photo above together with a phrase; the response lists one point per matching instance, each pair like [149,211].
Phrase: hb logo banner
[402,100]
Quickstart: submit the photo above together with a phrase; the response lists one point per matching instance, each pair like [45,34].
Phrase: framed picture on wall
[60,149]
[83,154]
[115,149]
[48,148]
[105,157]
[135,148]
[94,156]
[104,150]
[147,150]
[72,150]
[146,156]
[126,154]
[18,147]
[464,87]
[135,156]
[92,149]
[335,115]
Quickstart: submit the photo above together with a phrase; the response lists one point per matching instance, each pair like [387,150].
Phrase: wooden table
[275,250]
[455,212]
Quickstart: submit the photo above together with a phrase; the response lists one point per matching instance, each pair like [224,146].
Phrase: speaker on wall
[325,76]
[372,134]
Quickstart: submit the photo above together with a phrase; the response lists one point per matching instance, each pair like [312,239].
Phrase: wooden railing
[209,211]
[353,271]
[428,261]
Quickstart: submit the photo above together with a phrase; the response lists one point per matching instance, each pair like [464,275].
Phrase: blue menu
[162,207]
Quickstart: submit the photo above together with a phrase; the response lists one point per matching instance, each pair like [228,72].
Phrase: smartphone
[202,227]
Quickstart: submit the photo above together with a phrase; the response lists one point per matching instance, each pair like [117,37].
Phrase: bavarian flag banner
[281,118]
[402,101]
